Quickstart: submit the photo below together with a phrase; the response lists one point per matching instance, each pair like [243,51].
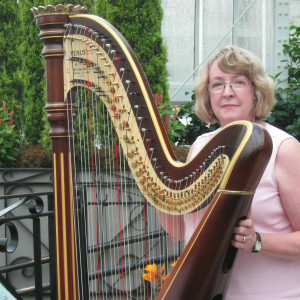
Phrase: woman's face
[233,103]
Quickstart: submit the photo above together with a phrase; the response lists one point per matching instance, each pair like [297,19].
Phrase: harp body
[86,52]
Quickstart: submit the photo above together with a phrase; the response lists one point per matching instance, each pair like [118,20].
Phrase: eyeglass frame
[231,83]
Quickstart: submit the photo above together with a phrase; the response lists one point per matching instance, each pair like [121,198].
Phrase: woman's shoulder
[277,133]
[284,144]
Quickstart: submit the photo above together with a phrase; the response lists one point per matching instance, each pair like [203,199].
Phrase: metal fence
[27,236]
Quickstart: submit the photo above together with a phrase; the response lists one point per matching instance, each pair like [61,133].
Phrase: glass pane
[248,32]
[178,32]
[217,16]
[244,23]
[295,12]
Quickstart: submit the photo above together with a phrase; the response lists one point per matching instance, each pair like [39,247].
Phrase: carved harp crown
[99,101]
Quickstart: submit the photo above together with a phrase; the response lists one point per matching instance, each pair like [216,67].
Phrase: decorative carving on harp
[92,73]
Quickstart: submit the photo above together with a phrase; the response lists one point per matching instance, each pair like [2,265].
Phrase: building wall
[195,29]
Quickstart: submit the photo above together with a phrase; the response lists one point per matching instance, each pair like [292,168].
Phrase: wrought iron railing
[30,211]
[27,238]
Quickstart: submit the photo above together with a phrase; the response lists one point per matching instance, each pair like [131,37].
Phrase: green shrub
[9,139]
[286,113]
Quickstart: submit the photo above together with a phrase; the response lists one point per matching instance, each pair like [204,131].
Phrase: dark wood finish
[52,32]
[231,138]
[203,269]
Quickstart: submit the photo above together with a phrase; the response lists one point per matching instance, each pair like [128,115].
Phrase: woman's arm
[287,175]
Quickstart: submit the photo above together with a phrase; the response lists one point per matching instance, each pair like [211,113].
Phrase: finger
[240,238]
[240,230]
[238,245]
[248,223]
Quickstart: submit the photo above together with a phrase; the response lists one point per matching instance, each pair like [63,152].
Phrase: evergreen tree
[33,73]
[10,78]
[140,23]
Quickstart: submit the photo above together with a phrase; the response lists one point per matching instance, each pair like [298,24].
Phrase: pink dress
[258,276]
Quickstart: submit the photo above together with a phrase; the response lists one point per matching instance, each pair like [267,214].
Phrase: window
[195,29]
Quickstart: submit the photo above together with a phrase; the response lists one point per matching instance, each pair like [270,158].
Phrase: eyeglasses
[238,85]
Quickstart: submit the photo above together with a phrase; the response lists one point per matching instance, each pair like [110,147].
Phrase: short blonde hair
[236,60]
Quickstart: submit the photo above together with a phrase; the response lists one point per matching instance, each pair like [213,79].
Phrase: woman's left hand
[244,236]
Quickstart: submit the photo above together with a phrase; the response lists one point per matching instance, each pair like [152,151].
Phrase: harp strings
[84,139]
[76,177]
[158,187]
[121,234]
[98,223]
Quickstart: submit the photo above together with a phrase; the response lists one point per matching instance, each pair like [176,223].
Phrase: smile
[229,105]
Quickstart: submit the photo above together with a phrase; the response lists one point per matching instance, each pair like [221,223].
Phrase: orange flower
[153,274]
[164,278]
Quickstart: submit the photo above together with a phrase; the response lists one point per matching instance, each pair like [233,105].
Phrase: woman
[233,86]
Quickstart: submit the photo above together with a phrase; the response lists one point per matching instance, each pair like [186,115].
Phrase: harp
[92,73]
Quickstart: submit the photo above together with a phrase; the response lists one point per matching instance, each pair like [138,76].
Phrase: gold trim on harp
[63,226]
[64,233]
[56,23]
[211,208]
[54,49]
[235,192]
[140,81]
[58,104]
[157,191]
[237,153]
[53,55]
[56,225]
[54,31]
[51,36]
[142,86]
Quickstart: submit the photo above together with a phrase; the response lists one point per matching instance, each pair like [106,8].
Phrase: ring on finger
[244,239]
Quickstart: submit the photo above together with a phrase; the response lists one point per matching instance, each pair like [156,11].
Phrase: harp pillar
[51,24]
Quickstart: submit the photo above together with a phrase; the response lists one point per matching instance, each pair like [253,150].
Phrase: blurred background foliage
[22,77]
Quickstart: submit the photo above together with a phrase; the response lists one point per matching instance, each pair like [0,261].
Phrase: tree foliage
[9,138]
[286,113]
[32,73]
[11,83]
[140,23]
[22,78]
